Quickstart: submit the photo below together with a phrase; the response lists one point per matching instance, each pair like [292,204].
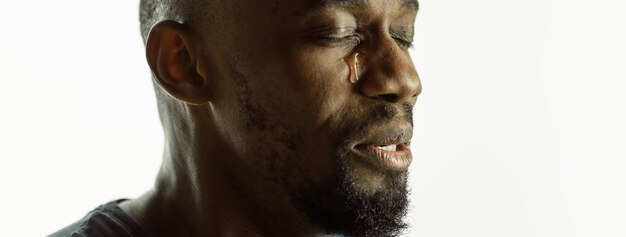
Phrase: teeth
[388,148]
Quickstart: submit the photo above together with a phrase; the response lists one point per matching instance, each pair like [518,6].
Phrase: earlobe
[173,58]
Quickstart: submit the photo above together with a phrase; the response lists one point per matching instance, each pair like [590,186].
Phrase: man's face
[295,107]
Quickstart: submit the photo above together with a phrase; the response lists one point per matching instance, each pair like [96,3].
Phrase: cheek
[322,94]
[320,77]
[294,103]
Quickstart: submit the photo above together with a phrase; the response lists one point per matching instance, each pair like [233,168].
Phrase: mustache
[381,114]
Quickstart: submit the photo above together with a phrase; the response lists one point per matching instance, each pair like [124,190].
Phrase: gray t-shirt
[108,220]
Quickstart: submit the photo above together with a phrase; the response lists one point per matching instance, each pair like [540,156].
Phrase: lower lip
[398,160]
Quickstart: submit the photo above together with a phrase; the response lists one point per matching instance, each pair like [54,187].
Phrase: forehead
[365,10]
[408,4]
[289,10]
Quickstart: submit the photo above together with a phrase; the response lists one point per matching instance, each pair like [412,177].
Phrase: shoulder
[107,220]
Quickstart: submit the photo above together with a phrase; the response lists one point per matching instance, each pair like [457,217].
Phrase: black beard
[339,208]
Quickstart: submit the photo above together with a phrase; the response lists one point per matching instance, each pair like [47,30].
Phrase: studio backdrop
[520,129]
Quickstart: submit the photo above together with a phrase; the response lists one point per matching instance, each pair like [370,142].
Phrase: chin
[368,180]
[357,200]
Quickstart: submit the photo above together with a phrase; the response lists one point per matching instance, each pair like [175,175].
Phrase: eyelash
[355,39]
[347,41]
[402,41]
[405,44]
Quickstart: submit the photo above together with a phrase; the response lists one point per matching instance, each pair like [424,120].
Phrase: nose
[389,74]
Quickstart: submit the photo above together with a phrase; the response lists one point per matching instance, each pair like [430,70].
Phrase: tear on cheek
[353,65]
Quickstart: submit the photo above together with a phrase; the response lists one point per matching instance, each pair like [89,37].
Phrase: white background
[519,131]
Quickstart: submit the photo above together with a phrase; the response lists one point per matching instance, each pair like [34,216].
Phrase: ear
[174,62]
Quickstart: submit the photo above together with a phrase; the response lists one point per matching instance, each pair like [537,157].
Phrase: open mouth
[388,151]
[393,147]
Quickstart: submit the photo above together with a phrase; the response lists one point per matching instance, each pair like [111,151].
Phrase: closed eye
[403,41]
[340,40]
[332,36]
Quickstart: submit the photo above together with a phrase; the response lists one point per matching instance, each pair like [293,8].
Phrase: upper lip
[385,135]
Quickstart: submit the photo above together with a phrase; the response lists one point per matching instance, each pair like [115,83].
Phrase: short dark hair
[153,11]
[147,18]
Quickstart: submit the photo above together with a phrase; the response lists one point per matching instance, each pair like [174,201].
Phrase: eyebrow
[411,4]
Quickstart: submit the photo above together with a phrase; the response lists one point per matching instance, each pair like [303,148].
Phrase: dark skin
[257,113]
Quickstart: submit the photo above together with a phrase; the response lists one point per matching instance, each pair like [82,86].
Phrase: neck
[208,192]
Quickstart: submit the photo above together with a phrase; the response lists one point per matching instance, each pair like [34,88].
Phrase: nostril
[390,97]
